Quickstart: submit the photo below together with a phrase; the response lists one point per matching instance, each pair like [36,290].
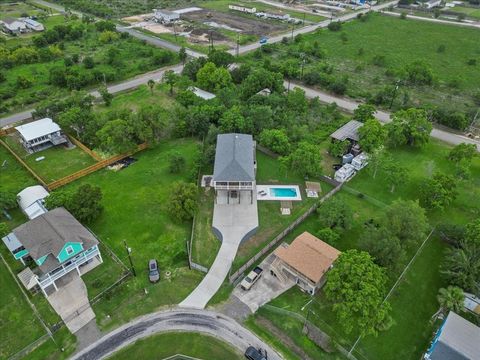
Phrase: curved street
[202,321]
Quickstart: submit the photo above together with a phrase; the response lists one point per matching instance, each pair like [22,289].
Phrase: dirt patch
[284,338]
[206,33]
[157,28]
[250,26]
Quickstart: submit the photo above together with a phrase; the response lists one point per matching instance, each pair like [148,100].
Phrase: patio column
[78,271]
[100,256]
[55,286]
[43,290]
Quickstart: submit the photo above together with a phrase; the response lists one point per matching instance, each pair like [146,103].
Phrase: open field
[15,310]
[134,202]
[414,300]
[58,163]
[374,53]
[190,344]
[109,64]
[13,176]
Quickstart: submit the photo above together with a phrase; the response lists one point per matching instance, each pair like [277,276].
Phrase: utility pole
[238,44]
[293,28]
[397,84]
[129,250]
[175,31]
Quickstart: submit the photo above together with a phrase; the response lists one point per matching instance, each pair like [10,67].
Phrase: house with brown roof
[306,261]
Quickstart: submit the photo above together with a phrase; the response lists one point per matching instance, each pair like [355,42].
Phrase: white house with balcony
[57,244]
[165,16]
[235,166]
[40,135]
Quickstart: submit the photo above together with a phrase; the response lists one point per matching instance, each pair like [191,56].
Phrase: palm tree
[151,84]
[170,78]
[450,299]
[462,267]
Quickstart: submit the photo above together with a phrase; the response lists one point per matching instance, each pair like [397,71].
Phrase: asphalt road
[349,105]
[200,321]
[440,21]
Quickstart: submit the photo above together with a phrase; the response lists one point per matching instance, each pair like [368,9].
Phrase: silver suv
[153,273]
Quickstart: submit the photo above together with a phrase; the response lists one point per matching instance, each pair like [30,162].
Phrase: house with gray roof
[457,339]
[57,243]
[235,165]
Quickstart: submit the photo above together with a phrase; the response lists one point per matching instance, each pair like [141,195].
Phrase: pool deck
[263,192]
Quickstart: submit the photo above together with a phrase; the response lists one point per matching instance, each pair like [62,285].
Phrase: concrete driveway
[264,290]
[233,222]
[70,301]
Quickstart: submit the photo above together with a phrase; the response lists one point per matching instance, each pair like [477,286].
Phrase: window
[69,250]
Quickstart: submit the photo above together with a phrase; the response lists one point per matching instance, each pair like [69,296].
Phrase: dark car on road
[153,273]
[253,354]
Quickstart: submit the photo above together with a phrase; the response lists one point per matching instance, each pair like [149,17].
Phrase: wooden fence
[20,160]
[100,165]
[92,153]
[6,131]
[239,273]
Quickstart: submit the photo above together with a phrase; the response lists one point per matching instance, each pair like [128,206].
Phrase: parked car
[253,354]
[153,273]
[251,278]
[263,40]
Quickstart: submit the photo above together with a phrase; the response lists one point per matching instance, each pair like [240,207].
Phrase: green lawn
[58,163]
[14,310]
[13,176]
[134,202]
[470,12]
[190,344]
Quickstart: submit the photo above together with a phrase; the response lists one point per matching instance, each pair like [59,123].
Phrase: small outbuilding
[33,25]
[349,131]
[31,201]
[286,207]
[305,261]
[40,135]
[165,16]
[345,173]
[313,189]
[457,339]
[432,4]
[202,93]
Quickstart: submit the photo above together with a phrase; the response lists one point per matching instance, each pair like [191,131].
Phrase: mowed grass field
[190,344]
[135,210]
[414,299]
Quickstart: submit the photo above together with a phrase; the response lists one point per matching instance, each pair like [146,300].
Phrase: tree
[438,192]
[406,220]
[170,78]
[376,160]
[419,73]
[176,162]
[461,152]
[182,55]
[409,127]
[335,214]
[338,148]
[383,245]
[276,140]
[8,200]
[182,204]
[260,79]
[328,235]
[115,137]
[364,112]
[450,299]
[85,203]
[395,174]
[106,95]
[306,160]
[357,286]
[461,267]
[232,121]
[151,85]
[334,26]
[88,62]
[212,78]
[221,58]
[372,135]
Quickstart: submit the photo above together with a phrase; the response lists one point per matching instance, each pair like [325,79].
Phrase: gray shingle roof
[348,131]
[48,233]
[459,340]
[234,158]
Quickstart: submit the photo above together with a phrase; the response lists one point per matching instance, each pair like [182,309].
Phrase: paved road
[202,321]
[349,105]
[448,22]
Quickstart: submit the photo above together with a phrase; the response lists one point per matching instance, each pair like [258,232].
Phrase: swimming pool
[283,192]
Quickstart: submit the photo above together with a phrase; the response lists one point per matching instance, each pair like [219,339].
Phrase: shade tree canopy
[409,127]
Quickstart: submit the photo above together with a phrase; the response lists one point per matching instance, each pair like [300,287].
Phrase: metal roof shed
[348,131]
[30,195]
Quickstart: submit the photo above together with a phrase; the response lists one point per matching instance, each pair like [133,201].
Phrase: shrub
[403,15]
[379,60]
[472,62]
[88,62]
[441,48]
[334,26]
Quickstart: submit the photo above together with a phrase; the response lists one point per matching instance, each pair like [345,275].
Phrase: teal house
[55,243]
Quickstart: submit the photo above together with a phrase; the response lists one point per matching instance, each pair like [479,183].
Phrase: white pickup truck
[251,278]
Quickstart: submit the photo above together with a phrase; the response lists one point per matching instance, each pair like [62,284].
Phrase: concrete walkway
[201,321]
[70,301]
[233,223]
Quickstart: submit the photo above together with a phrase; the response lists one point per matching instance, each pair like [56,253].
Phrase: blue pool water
[283,192]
